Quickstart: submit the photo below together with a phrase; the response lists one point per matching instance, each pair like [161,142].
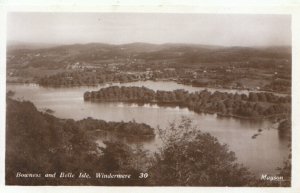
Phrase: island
[252,106]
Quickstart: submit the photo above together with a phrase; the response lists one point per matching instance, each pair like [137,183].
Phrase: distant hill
[16,45]
[180,53]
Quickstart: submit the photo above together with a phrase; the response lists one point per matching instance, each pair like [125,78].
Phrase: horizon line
[16,42]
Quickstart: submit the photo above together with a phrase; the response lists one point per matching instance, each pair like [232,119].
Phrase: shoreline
[162,80]
[202,112]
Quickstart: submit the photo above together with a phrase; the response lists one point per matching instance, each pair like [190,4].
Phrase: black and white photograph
[148,99]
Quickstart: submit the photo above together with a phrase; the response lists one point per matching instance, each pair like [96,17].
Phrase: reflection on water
[262,155]
[101,136]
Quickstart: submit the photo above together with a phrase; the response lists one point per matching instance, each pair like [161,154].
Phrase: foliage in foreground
[40,143]
[192,158]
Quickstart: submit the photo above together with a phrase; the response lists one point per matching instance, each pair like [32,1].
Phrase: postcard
[100,98]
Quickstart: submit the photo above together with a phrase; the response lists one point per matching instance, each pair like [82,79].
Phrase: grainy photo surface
[148,99]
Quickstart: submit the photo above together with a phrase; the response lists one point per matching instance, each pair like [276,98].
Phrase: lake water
[262,155]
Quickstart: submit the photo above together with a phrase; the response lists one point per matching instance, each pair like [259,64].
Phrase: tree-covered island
[254,105]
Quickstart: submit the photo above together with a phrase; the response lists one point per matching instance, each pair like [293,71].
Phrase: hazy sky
[119,28]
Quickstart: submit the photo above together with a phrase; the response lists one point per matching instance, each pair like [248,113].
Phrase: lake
[261,155]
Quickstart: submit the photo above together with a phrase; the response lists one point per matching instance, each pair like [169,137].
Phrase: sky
[158,28]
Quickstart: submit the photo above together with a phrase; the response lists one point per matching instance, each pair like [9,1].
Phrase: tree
[253,97]
[192,158]
[120,158]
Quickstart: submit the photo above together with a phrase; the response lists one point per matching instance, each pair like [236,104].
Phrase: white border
[175,6]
